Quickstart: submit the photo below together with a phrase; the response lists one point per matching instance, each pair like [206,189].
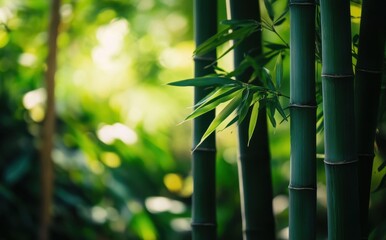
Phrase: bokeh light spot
[27,59]
[37,113]
[33,98]
[98,214]
[173,182]
[163,204]
[111,159]
[118,131]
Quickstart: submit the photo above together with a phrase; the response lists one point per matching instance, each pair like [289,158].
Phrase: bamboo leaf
[254,77]
[219,69]
[253,120]
[279,70]
[264,58]
[205,82]
[320,127]
[319,122]
[258,93]
[233,46]
[355,39]
[271,112]
[241,68]
[267,24]
[252,62]
[216,95]
[269,7]
[268,79]
[213,42]
[204,108]
[210,95]
[275,46]
[257,63]
[234,120]
[238,32]
[221,117]
[280,109]
[279,20]
[244,106]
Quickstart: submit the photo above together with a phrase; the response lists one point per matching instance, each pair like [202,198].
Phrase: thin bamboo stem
[47,171]
[204,156]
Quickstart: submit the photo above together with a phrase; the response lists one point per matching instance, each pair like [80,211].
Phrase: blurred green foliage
[122,162]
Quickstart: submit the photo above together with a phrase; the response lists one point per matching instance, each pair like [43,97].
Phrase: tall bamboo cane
[254,160]
[204,156]
[341,161]
[367,90]
[47,171]
[302,188]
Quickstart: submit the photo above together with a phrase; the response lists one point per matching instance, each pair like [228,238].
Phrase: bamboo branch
[47,172]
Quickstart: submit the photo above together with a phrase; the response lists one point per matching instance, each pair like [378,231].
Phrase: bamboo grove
[251,94]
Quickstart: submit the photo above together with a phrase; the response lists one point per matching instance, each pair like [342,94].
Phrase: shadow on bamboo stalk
[367,92]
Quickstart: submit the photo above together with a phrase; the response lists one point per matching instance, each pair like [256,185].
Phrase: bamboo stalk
[302,187]
[341,161]
[254,160]
[47,171]
[204,156]
[367,92]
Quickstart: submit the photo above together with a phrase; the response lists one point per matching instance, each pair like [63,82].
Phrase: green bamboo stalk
[302,187]
[47,170]
[367,92]
[204,156]
[341,161]
[254,160]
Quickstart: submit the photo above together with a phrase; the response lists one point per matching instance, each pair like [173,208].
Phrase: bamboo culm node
[342,163]
[305,4]
[311,106]
[202,149]
[338,76]
[301,188]
[206,225]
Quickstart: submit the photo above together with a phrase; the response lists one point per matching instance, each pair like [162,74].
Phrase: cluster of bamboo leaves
[238,96]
